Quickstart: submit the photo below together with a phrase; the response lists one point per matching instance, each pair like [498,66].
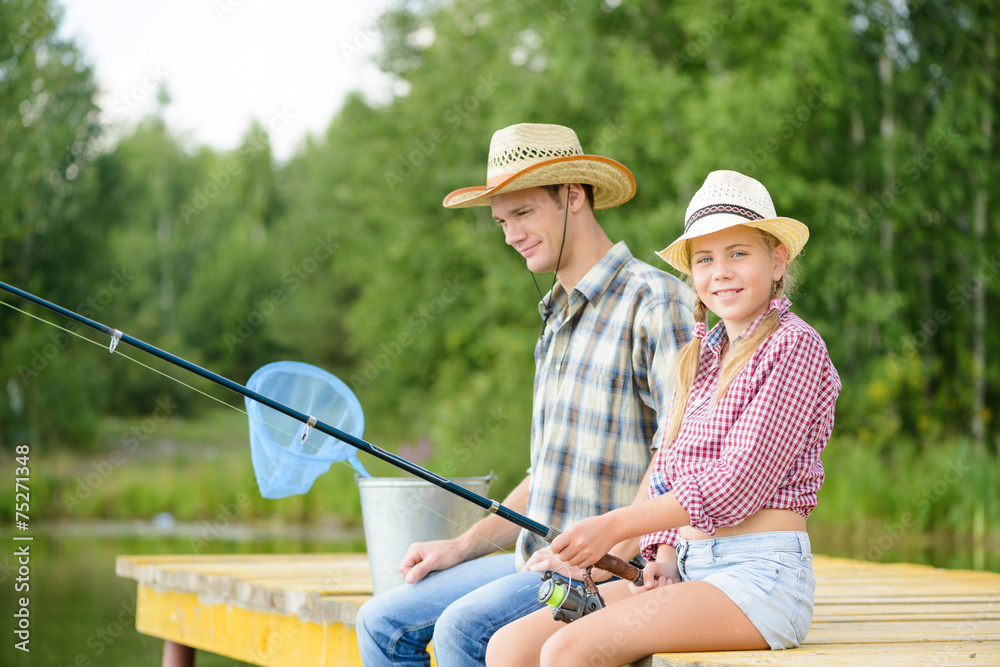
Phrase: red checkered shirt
[759,447]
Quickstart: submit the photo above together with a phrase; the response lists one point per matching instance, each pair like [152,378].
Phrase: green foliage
[911,488]
[48,124]
[143,468]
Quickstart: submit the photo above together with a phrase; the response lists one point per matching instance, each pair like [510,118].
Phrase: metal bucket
[399,511]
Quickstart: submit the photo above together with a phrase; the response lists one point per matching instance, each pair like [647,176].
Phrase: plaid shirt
[603,370]
[759,448]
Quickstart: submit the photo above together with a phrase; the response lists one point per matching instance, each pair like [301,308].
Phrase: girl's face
[733,273]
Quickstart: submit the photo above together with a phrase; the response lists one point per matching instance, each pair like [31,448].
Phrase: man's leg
[394,627]
[465,627]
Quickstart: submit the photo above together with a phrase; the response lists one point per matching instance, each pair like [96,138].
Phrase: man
[611,329]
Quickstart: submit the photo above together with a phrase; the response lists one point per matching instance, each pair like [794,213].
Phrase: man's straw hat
[529,155]
[729,198]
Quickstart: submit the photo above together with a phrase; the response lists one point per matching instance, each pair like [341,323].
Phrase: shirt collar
[594,284]
[781,304]
[715,338]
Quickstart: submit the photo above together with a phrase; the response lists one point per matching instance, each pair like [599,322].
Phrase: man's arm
[485,536]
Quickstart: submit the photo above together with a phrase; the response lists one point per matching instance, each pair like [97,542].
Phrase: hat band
[732,209]
[519,155]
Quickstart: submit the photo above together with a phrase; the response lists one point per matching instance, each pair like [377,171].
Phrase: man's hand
[544,559]
[422,558]
[484,537]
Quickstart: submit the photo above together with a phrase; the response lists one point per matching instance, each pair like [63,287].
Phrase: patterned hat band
[499,162]
[731,209]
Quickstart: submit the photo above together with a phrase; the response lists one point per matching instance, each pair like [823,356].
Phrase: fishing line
[608,562]
[146,366]
[569,576]
[218,400]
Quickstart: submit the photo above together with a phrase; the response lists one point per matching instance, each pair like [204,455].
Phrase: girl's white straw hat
[726,199]
[529,155]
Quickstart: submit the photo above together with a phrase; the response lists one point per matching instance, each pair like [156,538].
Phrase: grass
[933,502]
[193,470]
[945,484]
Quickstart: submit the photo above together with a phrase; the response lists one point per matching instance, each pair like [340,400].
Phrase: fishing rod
[555,593]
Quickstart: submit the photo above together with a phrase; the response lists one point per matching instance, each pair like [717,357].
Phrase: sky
[288,64]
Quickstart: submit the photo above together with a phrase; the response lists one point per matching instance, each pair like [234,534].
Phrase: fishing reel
[569,602]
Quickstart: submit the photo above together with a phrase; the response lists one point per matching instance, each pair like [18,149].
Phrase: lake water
[83,615]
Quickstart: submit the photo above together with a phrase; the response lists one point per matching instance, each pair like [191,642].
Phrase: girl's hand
[585,543]
[656,575]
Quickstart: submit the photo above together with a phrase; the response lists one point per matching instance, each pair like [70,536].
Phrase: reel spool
[569,602]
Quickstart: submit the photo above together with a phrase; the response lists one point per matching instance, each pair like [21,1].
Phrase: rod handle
[620,568]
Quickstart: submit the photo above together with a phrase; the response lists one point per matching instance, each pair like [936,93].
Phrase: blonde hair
[739,354]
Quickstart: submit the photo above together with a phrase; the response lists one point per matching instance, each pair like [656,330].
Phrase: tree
[48,122]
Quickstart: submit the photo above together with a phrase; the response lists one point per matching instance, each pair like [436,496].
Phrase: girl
[724,524]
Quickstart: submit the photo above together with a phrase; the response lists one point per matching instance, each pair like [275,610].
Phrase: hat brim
[792,234]
[613,183]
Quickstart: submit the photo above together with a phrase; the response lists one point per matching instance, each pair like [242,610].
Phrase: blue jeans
[459,608]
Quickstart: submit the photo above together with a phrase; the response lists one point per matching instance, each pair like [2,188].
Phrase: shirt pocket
[594,405]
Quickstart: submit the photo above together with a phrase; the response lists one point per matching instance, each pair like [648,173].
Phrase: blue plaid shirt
[604,368]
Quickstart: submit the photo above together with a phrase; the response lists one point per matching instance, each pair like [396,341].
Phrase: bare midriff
[764,521]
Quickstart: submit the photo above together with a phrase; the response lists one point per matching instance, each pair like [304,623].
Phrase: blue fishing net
[283,464]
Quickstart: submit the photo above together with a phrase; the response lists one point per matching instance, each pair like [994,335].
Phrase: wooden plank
[255,636]
[918,611]
[916,616]
[896,615]
[287,584]
[131,566]
[917,654]
[905,631]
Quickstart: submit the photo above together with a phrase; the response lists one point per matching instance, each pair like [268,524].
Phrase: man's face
[532,223]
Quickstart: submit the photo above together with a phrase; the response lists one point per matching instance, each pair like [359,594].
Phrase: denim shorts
[768,575]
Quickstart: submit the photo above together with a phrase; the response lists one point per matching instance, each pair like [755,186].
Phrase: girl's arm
[587,541]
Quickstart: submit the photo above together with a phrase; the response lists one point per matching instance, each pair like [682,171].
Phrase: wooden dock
[279,610]
[272,610]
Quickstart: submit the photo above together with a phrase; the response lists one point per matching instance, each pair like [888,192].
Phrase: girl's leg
[690,616]
[520,643]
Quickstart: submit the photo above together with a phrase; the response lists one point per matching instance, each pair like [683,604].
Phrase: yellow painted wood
[258,637]
[271,610]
